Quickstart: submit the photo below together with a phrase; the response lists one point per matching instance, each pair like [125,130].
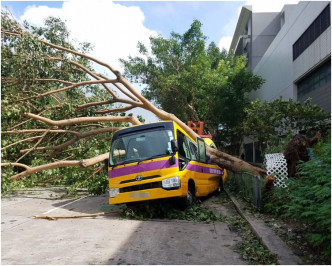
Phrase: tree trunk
[233,164]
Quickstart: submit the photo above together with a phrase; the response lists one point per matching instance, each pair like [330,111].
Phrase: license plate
[137,195]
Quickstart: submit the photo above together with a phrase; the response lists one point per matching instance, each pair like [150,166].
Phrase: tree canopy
[268,121]
[193,80]
[41,84]
[58,113]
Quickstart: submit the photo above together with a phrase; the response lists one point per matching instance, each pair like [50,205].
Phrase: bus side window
[183,149]
[187,148]
[201,150]
[193,150]
[184,152]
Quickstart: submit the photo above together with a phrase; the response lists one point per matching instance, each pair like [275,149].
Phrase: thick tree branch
[20,141]
[75,163]
[16,164]
[121,90]
[86,70]
[88,82]
[117,100]
[232,163]
[34,147]
[39,130]
[78,137]
[115,110]
[72,121]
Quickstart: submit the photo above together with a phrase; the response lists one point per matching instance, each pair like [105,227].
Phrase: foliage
[268,121]
[192,80]
[308,199]
[31,68]
[280,145]
[165,210]
[250,248]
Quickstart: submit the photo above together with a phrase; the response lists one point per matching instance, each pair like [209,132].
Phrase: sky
[115,27]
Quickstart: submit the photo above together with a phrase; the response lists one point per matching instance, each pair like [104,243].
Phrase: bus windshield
[139,146]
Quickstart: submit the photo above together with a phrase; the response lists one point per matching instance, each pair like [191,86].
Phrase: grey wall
[265,27]
[277,66]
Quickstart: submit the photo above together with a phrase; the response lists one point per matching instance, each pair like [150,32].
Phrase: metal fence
[248,186]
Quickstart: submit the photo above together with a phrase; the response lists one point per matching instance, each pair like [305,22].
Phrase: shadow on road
[108,239]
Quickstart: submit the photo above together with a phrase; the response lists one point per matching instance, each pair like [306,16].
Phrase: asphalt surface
[105,239]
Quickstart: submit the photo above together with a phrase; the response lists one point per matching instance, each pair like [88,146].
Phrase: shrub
[310,197]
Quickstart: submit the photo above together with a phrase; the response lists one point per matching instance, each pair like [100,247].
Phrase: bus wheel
[188,200]
[220,187]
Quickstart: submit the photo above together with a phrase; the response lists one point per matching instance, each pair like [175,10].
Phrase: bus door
[189,162]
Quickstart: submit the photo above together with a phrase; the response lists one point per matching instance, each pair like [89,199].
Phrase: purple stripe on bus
[204,169]
[142,167]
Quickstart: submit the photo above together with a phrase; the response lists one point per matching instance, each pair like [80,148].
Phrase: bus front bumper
[148,194]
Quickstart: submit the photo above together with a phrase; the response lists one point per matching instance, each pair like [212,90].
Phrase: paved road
[104,239]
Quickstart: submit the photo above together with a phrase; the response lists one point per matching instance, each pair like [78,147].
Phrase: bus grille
[144,178]
[141,187]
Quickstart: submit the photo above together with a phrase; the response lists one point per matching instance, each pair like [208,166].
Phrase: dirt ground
[107,239]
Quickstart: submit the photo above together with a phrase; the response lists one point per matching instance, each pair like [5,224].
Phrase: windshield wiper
[149,158]
[124,162]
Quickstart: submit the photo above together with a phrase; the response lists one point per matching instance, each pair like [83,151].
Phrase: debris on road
[53,218]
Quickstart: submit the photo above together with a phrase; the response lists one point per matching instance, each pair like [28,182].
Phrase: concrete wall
[265,27]
[277,65]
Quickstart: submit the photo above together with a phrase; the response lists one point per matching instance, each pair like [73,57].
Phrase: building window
[314,80]
[320,24]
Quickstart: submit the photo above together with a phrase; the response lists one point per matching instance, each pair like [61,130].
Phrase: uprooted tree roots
[297,149]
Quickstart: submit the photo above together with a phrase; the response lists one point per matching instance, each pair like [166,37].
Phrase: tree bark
[232,163]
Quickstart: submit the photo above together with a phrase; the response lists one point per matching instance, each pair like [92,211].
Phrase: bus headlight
[114,192]
[172,182]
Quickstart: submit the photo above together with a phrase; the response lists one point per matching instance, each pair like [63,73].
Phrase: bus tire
[220,187]
[188,200]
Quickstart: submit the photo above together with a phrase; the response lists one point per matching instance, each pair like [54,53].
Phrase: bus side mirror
[174,146]
[106,165]
[172,160]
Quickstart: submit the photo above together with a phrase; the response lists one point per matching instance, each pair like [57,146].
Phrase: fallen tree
[298,150]
[40,81]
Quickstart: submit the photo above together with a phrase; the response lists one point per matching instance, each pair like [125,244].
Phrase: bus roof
[154,125]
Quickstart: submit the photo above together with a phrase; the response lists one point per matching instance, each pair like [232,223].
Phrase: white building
[290,50]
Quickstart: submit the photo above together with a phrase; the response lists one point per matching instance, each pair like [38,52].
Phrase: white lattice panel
[276,166]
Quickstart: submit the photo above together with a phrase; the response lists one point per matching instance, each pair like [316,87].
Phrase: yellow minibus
[160,160]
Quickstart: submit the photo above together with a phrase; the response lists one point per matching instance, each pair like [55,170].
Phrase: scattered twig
[53,218]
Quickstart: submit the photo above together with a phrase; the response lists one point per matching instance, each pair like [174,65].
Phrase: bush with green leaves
[308,199]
